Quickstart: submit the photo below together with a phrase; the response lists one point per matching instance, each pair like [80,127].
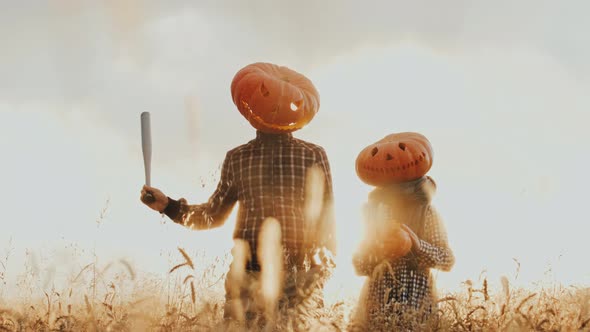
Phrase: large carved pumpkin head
[274,99]
[396,158]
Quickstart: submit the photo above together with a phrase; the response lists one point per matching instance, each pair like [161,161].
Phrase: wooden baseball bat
[146,147]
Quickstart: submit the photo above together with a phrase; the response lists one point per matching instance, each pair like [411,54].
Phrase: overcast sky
[501,89]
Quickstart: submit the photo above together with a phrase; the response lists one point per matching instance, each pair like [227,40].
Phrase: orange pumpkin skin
[396,158]
[274,99]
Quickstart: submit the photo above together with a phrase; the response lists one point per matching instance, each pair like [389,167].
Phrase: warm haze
[500,88]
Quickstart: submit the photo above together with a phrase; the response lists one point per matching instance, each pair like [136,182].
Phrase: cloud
[77,49]
[118,58]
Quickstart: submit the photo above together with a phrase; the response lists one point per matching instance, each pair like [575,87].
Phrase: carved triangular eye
[374,151]
[402,146]
[263,90]
[296,105]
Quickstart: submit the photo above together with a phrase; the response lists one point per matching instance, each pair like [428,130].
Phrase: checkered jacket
[397,285]
[267,176]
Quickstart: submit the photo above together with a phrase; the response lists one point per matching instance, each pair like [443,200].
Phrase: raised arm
[211,214]
[434,251]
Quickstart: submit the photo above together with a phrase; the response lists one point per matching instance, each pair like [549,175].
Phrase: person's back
[273,184]
[267,176]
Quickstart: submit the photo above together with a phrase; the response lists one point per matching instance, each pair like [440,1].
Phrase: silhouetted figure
[268,177]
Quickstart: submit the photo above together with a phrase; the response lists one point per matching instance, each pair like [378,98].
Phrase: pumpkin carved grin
[260,121]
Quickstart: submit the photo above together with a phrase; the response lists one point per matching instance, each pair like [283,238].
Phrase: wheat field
[191,299]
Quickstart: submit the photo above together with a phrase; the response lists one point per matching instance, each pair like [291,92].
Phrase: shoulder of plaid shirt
[216,210]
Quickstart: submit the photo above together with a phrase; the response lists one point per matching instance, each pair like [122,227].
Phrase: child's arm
[365,259]
[372,250]
[211,214]
[434,251]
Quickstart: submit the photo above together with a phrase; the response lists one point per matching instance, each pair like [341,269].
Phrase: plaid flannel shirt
[398,285]
[267,176]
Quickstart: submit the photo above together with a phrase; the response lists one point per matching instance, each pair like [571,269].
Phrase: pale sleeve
[365,259]
[327,229]
[434,251]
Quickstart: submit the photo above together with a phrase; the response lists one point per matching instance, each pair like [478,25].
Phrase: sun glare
[503,102]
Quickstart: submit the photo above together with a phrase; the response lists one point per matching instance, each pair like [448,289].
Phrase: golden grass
[130,301]
[115,297]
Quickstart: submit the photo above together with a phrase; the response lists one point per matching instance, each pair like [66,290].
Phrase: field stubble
[115,297]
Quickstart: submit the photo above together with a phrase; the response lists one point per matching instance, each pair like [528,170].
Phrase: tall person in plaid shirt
[268,177]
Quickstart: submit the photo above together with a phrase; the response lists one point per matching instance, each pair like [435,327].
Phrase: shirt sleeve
[327,224]
[365,259]
[434,251]
[212,214]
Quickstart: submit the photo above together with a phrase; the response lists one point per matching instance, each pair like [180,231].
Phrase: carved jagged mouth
[395,169]
[290,127]
[383,170]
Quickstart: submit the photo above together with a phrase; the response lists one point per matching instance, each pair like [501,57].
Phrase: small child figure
[404,237]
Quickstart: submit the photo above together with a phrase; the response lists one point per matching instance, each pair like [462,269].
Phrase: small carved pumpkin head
[399,157]
[274,99]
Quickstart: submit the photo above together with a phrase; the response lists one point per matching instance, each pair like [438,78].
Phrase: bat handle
[149,198]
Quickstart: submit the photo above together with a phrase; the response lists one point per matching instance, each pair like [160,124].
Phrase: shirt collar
[270,138]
